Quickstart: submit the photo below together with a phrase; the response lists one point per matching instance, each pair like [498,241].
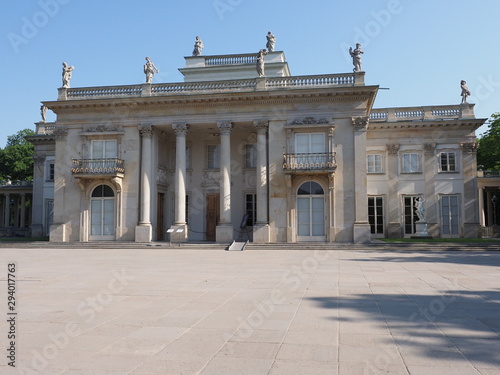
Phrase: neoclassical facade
[227,154]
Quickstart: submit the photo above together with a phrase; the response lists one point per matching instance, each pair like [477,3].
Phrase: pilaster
[430,189]
[471,217]
[394,225]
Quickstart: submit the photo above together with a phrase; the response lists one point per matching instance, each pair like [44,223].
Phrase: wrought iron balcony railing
[110,166]
[309,161]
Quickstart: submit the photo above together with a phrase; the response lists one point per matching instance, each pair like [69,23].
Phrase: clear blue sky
[420,49]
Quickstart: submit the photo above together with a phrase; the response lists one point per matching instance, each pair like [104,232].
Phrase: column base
[178,236]
[58,233]
[290,235]
[361,233]
[143,233]
[261,233]
[394,230]
[472,231]
[224,233]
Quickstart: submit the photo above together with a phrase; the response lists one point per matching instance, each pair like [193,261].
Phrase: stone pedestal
[362,233]
[143,233]
[421,230]
[261,233]
[224,233]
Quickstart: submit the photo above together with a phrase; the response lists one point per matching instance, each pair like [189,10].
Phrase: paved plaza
[178,311]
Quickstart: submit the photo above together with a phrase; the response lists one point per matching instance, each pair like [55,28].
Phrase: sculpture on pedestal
[67,72]
[260,62]
[465,91]
[356,57]
[43,112]
[420,209]
[271,41]
[150,70]
[198,47]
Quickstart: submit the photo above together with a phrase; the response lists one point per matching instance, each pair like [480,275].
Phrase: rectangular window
[50,172]
[449,216]
[374,163]
[250,155]
[410,163]
[213,157]
[447,162]
[410,215]
[104,149]
[251,208]
[376,214]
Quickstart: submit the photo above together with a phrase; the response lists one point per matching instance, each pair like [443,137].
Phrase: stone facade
[227,154]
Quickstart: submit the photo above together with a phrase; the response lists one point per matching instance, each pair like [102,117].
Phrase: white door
[310,212]
[102,214]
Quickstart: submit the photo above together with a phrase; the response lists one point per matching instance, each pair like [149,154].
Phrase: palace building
[230,154]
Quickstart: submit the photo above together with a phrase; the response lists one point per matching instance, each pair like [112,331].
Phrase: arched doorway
[102,213]
[310,212]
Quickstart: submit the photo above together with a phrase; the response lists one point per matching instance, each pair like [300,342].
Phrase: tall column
[37,218]
[361,230]
[469,163]
[430,203]
[143,231]
[394,225]
[480,194]
[261,226]
[224,231]
[180,130]
[7,210]
[22,219]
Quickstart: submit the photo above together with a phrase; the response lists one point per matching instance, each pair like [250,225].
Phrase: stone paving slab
[177,311]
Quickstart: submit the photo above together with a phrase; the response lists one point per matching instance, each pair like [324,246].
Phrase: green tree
[16,159]
[488,154]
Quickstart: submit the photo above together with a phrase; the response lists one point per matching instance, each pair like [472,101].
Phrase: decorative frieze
[393,149]
[469,147]
[103,128]
[360,123]
[146,131]
[309,121]
[225,127]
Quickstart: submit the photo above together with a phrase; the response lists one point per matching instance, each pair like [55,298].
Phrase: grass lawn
[23,239]
[450,240]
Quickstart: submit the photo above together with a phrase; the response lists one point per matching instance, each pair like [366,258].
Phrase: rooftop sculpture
[67,72]
[198,47]
[271,41]
[465,91]
[356,57]
[260,62]
[150,70]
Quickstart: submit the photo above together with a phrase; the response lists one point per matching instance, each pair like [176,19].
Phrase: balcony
[98,168]
[309,162]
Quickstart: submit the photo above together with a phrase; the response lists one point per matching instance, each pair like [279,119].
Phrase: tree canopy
[16,159]
[488,153]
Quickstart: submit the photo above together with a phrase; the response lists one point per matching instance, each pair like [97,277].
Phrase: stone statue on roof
[465,91]
[271,41]
[260,62]
[150,70]
[356,57]
[43,112]
[198,47]
[67,72]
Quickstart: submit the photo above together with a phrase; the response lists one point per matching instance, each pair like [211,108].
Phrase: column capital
[469,147]
[38,159]
[225,127]
[146,131]
[60,133]
[180,128]
[262,126]
[429,148]
[393,149]
[360,123]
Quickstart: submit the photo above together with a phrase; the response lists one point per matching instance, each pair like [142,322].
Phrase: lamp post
[494,201]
